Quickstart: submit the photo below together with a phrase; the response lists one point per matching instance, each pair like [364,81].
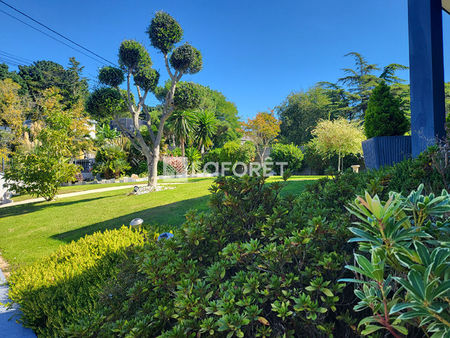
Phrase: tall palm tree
[206,126]
[182,125]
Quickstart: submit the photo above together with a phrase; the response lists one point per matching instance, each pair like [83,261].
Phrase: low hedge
[66,285]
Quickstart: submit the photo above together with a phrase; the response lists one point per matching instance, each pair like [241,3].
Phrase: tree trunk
[339,162]
[182,148]
[152,164]
[261,153]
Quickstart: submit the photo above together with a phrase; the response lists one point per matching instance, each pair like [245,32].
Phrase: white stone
[136,221]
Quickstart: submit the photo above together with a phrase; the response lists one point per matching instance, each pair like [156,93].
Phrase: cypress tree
[384,115]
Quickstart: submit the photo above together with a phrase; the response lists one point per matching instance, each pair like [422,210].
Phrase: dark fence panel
[386,150]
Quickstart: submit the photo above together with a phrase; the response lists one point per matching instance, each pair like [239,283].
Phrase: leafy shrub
[439,156]
[42,163]
[174,152]
[404,282]
[67,284]
[427,169]
[257,265]
[105,134]
[39,175]
[289,153]
[110,161]
[261,263]
[231,152]
[384,115]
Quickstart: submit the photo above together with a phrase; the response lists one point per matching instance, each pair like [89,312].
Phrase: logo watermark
[183,168]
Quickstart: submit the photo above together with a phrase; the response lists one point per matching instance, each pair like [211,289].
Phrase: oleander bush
[66,285]
[401,273]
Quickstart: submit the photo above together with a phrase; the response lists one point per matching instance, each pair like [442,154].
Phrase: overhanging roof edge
[446,6]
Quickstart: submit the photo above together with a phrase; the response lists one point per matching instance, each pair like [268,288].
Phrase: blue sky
[254,52]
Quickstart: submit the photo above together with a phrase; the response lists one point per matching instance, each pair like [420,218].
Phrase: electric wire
[15,57]
[9,61]
[15,60]
[57,33]
[52,37]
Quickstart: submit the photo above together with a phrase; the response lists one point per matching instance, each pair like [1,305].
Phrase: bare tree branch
[166,60]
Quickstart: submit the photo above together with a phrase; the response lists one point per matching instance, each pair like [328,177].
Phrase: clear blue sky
[254,52]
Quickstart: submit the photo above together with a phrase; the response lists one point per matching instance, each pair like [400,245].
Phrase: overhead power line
[52,37]
[15,60]
[9,61]
[55,32]
[15,57]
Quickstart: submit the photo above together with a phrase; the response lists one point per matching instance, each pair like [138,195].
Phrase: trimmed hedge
[289,153]
[66,285]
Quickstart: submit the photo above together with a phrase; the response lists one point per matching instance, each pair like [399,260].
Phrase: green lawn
[34,230]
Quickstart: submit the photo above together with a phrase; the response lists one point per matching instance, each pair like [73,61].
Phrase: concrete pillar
[426,73]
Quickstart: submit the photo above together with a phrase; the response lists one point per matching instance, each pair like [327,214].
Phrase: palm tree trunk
[183,153]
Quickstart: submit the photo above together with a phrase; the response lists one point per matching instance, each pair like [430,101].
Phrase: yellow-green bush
[66,285]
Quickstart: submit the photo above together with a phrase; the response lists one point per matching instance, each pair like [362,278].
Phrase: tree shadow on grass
[167,216]
[23,209]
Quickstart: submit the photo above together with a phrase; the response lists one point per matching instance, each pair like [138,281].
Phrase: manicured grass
[34,230]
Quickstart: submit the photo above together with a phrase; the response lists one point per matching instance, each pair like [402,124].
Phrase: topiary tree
[106,102]
[135,62]
[384,115]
